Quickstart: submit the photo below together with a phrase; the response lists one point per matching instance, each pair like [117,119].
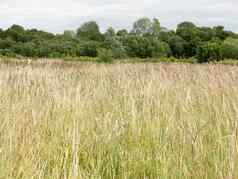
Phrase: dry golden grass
[62,120]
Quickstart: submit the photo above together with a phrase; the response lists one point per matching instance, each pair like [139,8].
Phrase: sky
[59,15]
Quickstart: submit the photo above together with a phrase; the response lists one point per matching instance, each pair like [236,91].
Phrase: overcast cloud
[58,15]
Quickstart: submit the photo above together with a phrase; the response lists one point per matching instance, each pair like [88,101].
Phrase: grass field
[119,121]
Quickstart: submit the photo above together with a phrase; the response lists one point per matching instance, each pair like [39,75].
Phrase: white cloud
[57,15]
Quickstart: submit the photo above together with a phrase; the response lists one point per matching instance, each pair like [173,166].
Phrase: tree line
[147,39]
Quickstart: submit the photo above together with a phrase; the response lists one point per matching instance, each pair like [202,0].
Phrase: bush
[230,51]
[160,49]
[105,55]
[209,51]
[177,46]
[138,46]
[230,48]
[7,53]
[89,48]
[25,49]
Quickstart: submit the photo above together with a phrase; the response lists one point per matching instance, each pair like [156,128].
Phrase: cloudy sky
[58,15]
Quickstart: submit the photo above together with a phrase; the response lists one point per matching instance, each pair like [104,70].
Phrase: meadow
[63,120]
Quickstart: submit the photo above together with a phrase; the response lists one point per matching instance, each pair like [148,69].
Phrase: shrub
[105,55]
[230,48]
[7,53]
[138,46]
[89,48]
[209,51]
[160,49]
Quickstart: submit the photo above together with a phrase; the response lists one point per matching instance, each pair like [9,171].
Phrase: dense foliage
[146,39]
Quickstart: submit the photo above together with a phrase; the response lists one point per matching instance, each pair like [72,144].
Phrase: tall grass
[62,120]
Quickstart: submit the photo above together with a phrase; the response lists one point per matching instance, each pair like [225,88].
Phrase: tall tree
[16,33]
[114,43]
[142,26]
[189,32]
[122,33]
[156,27]
[220,32]
[177,45]
[90,31]
[69,34]
[206,33]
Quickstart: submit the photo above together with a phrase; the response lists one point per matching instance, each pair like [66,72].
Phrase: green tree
[145,26]
[44,50]
[16,33]
[160,49]
[142,26]
[89,48]
[230,48]
[177,45]
[206,33]
[6,43]
[166,35]
[25,49]
[105,55]
[220,33]
[1,33]
[114,43]
[189,32]
[122,33]
[69,34]
[209,51]
[138,46]
[90,31]
[110,32]
[156,27]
